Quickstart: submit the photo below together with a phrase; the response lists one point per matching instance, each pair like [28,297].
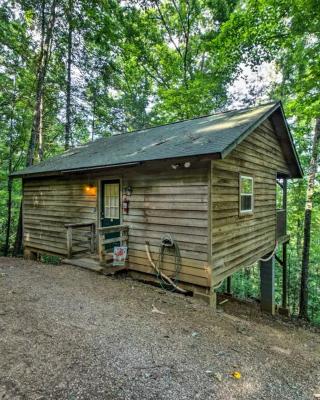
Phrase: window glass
[279,194]
[111,201]
[246,185]
[246,194]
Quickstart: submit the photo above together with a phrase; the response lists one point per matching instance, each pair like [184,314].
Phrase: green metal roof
[215,134]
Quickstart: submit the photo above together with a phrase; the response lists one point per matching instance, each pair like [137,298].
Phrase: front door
[110,208]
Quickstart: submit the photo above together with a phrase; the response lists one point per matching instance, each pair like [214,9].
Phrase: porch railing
[281,227]
[121,238]
[77,243]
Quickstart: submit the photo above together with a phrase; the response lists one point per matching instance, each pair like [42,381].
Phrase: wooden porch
[86,246]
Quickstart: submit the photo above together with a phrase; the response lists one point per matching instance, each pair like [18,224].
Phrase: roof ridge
[104,138]
[194,118]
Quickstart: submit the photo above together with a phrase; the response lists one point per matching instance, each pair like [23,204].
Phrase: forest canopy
[72,71]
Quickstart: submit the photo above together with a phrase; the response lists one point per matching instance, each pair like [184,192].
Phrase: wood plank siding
[49,204]
[163,201]
[171,201]
[239,241]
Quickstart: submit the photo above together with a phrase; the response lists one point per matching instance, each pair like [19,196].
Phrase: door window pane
[111,201]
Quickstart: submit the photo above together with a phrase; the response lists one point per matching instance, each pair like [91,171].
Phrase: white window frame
[246,212]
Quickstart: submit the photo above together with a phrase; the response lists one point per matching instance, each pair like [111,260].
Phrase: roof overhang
[283,132]
[72,171]
[90,170]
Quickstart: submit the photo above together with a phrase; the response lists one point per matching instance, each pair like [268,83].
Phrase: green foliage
[49,259]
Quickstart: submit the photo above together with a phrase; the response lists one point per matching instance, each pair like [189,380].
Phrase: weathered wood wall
[170,201]
[163,201]
[239,241]
[49,204]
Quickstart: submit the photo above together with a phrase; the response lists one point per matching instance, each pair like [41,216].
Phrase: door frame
[101,181]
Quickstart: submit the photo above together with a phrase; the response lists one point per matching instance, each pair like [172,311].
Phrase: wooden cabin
[209,183]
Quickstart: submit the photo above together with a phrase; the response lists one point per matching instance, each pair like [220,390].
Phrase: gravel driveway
[67,333]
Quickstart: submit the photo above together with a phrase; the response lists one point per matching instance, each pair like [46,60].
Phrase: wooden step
[92,264]
[85,262]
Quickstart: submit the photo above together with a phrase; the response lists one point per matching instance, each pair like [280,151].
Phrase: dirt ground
[67,333]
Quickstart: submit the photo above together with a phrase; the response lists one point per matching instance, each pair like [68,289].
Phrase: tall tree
[172,44]
[68,134]
[15,115]
[47,26]
[35,147]
[10,170]
[313,167]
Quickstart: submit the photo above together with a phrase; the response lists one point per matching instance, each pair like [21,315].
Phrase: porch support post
[101,246]
[229,287]
[92,238]
[284,277]
[267,269]
[285,200]
[69,241]
[284,309]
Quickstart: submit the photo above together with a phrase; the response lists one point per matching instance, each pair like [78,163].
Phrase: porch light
[128,190]
[91,190]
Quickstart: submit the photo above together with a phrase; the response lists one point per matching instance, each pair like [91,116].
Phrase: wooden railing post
[126,235]
[101,246]
[92,238]
[102,241]
[69,241]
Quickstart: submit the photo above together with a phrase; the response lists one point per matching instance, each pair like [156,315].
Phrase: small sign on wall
[119,255]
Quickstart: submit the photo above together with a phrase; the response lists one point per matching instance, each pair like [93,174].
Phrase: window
[111,201]
[246,194]
[279,194]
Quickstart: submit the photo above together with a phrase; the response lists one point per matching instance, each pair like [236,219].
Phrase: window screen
[111,201]
[246,194]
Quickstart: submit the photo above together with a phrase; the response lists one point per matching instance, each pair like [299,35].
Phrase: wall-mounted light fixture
[187,164]
[128,190]
[90,189]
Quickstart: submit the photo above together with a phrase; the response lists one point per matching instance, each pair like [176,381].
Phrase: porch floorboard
[93,264]
[84,262]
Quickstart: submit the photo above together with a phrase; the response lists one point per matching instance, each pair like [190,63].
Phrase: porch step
[85,262]
[94,265]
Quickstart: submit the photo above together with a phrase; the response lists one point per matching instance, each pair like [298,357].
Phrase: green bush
[49,259]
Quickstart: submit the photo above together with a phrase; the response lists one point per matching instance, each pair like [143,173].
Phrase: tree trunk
[93,116]
[40,130]
[17,249]
[36,137]
[46,38]
[68,135]
[9,213]
[9,185]
[303,312]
